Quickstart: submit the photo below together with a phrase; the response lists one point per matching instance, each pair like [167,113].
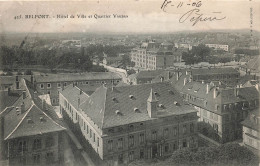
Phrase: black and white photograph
[130,83]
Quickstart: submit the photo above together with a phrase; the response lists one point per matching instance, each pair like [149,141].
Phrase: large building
[131,122]
[221,107]
[153,56]
[229,76]
[143,77]
[218,46]
[52,83]
[251,134]
[31,133]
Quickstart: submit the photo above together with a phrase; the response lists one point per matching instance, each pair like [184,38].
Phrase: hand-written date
[194,15]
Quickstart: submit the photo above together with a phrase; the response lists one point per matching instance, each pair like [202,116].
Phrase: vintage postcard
[131,82]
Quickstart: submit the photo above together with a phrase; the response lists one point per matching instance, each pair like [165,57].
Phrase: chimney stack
[9,91]
[178,75]
[32,79]
[17,82]
[184,81]
[162,79]
[22,108]
[78,101]
[214,93]
[24,94]
[43,105]
[207,89]
[257,87]
[152,105]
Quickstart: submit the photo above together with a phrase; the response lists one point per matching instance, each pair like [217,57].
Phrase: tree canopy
[231,154]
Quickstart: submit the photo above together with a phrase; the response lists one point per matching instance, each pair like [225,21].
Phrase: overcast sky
[143,16]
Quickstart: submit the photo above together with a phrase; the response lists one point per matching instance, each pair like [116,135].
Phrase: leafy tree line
[15,57]
[231,154]
[202,53]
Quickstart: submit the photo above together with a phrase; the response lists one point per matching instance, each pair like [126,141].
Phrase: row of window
[37,144]
[36,159]
[76,83]
[154,136]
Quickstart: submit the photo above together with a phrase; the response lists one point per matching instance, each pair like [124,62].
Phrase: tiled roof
[18,125]
[253,120]
[34,122]
[76,77]
[223,95]
[104,104]
[8,100]
[72,94]
[209,71]
[148,74]
[254,64]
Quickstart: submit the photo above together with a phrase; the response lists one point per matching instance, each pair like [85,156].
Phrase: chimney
[32,79]
[184,81]
[178,75]
[257,87]
[9,91]
[236,91]
[162,79]
[17,82]
[187,72]
[34,94]
[73,84]
[152,105]
[22,108]
[80,91]
[78,101]
[2,145]
[214,93]
[43,105]
[202,81]
[190,79]
[207,89]
[24,94]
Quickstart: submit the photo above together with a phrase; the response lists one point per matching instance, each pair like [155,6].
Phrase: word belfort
[96,16]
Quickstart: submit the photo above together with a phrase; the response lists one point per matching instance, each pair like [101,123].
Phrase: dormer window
[131,97]
[114,99]
[136,110]
[118,112]
[161,106]
[176,103]
[171,92]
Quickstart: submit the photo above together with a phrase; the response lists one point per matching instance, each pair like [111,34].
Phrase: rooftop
[76,77]
[102,105]
[28,117]
[209,71]
[253,120]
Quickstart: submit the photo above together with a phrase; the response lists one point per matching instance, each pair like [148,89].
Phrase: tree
[197,54]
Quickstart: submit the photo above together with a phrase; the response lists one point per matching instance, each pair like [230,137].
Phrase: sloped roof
[16,125]
[102,106]
[76,77]
[253,123]
[36,125]
[8,100]
[208,71]
[254,64]
[72,94]
[148,74]
[223,95]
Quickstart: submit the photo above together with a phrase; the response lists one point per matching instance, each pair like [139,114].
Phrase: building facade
[229,76]
[126,123]
[30,132]
[221,109]
[153,56]
[251,134]
[52,83]
[218,46]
